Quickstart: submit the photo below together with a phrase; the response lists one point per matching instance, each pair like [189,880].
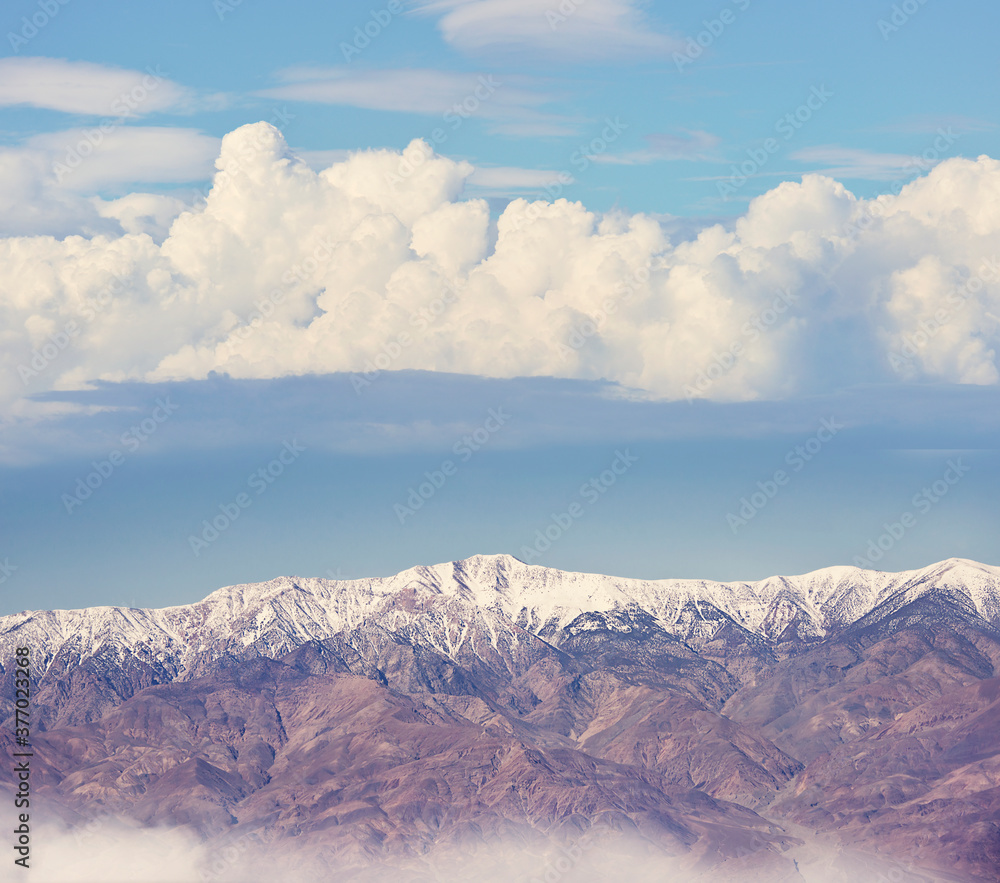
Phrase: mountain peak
[964,564]
[436,604]
[480,675]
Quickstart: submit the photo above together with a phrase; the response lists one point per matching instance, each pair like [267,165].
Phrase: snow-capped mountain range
[358,721]
[491,599]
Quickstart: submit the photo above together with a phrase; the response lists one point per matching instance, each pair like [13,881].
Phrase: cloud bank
[378,263]
[108,850]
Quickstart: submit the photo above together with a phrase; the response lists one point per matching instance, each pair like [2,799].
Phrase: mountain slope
[488,701]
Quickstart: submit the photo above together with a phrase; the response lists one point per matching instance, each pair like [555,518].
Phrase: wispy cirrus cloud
[502,180]
[511,104]
[583,29]
[81,87]
[131,154]
[686,144]
[851,162]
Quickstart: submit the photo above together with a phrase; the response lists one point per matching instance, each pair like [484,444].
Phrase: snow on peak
[444,604]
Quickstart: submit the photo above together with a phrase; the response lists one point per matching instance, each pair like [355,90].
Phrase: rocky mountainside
[836,723]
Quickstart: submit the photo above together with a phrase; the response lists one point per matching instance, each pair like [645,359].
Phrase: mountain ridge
[315,608]
[376,719]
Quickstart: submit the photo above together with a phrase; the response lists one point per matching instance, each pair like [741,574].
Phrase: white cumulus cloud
[379,262]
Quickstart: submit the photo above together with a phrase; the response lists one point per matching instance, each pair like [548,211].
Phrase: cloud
[85,88]
[509,103]
[688,144]
[88,159]
[577,29]
[406,411]
[378,263]
[322,159]
[501,180]
[106,850]
[849,162]
[47,183]
[148,213]
[110,850]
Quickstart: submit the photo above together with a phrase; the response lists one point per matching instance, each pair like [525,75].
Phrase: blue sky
[342,505]
[689,116]
[684,235]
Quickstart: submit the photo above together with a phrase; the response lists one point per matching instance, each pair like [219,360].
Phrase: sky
[704,290]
